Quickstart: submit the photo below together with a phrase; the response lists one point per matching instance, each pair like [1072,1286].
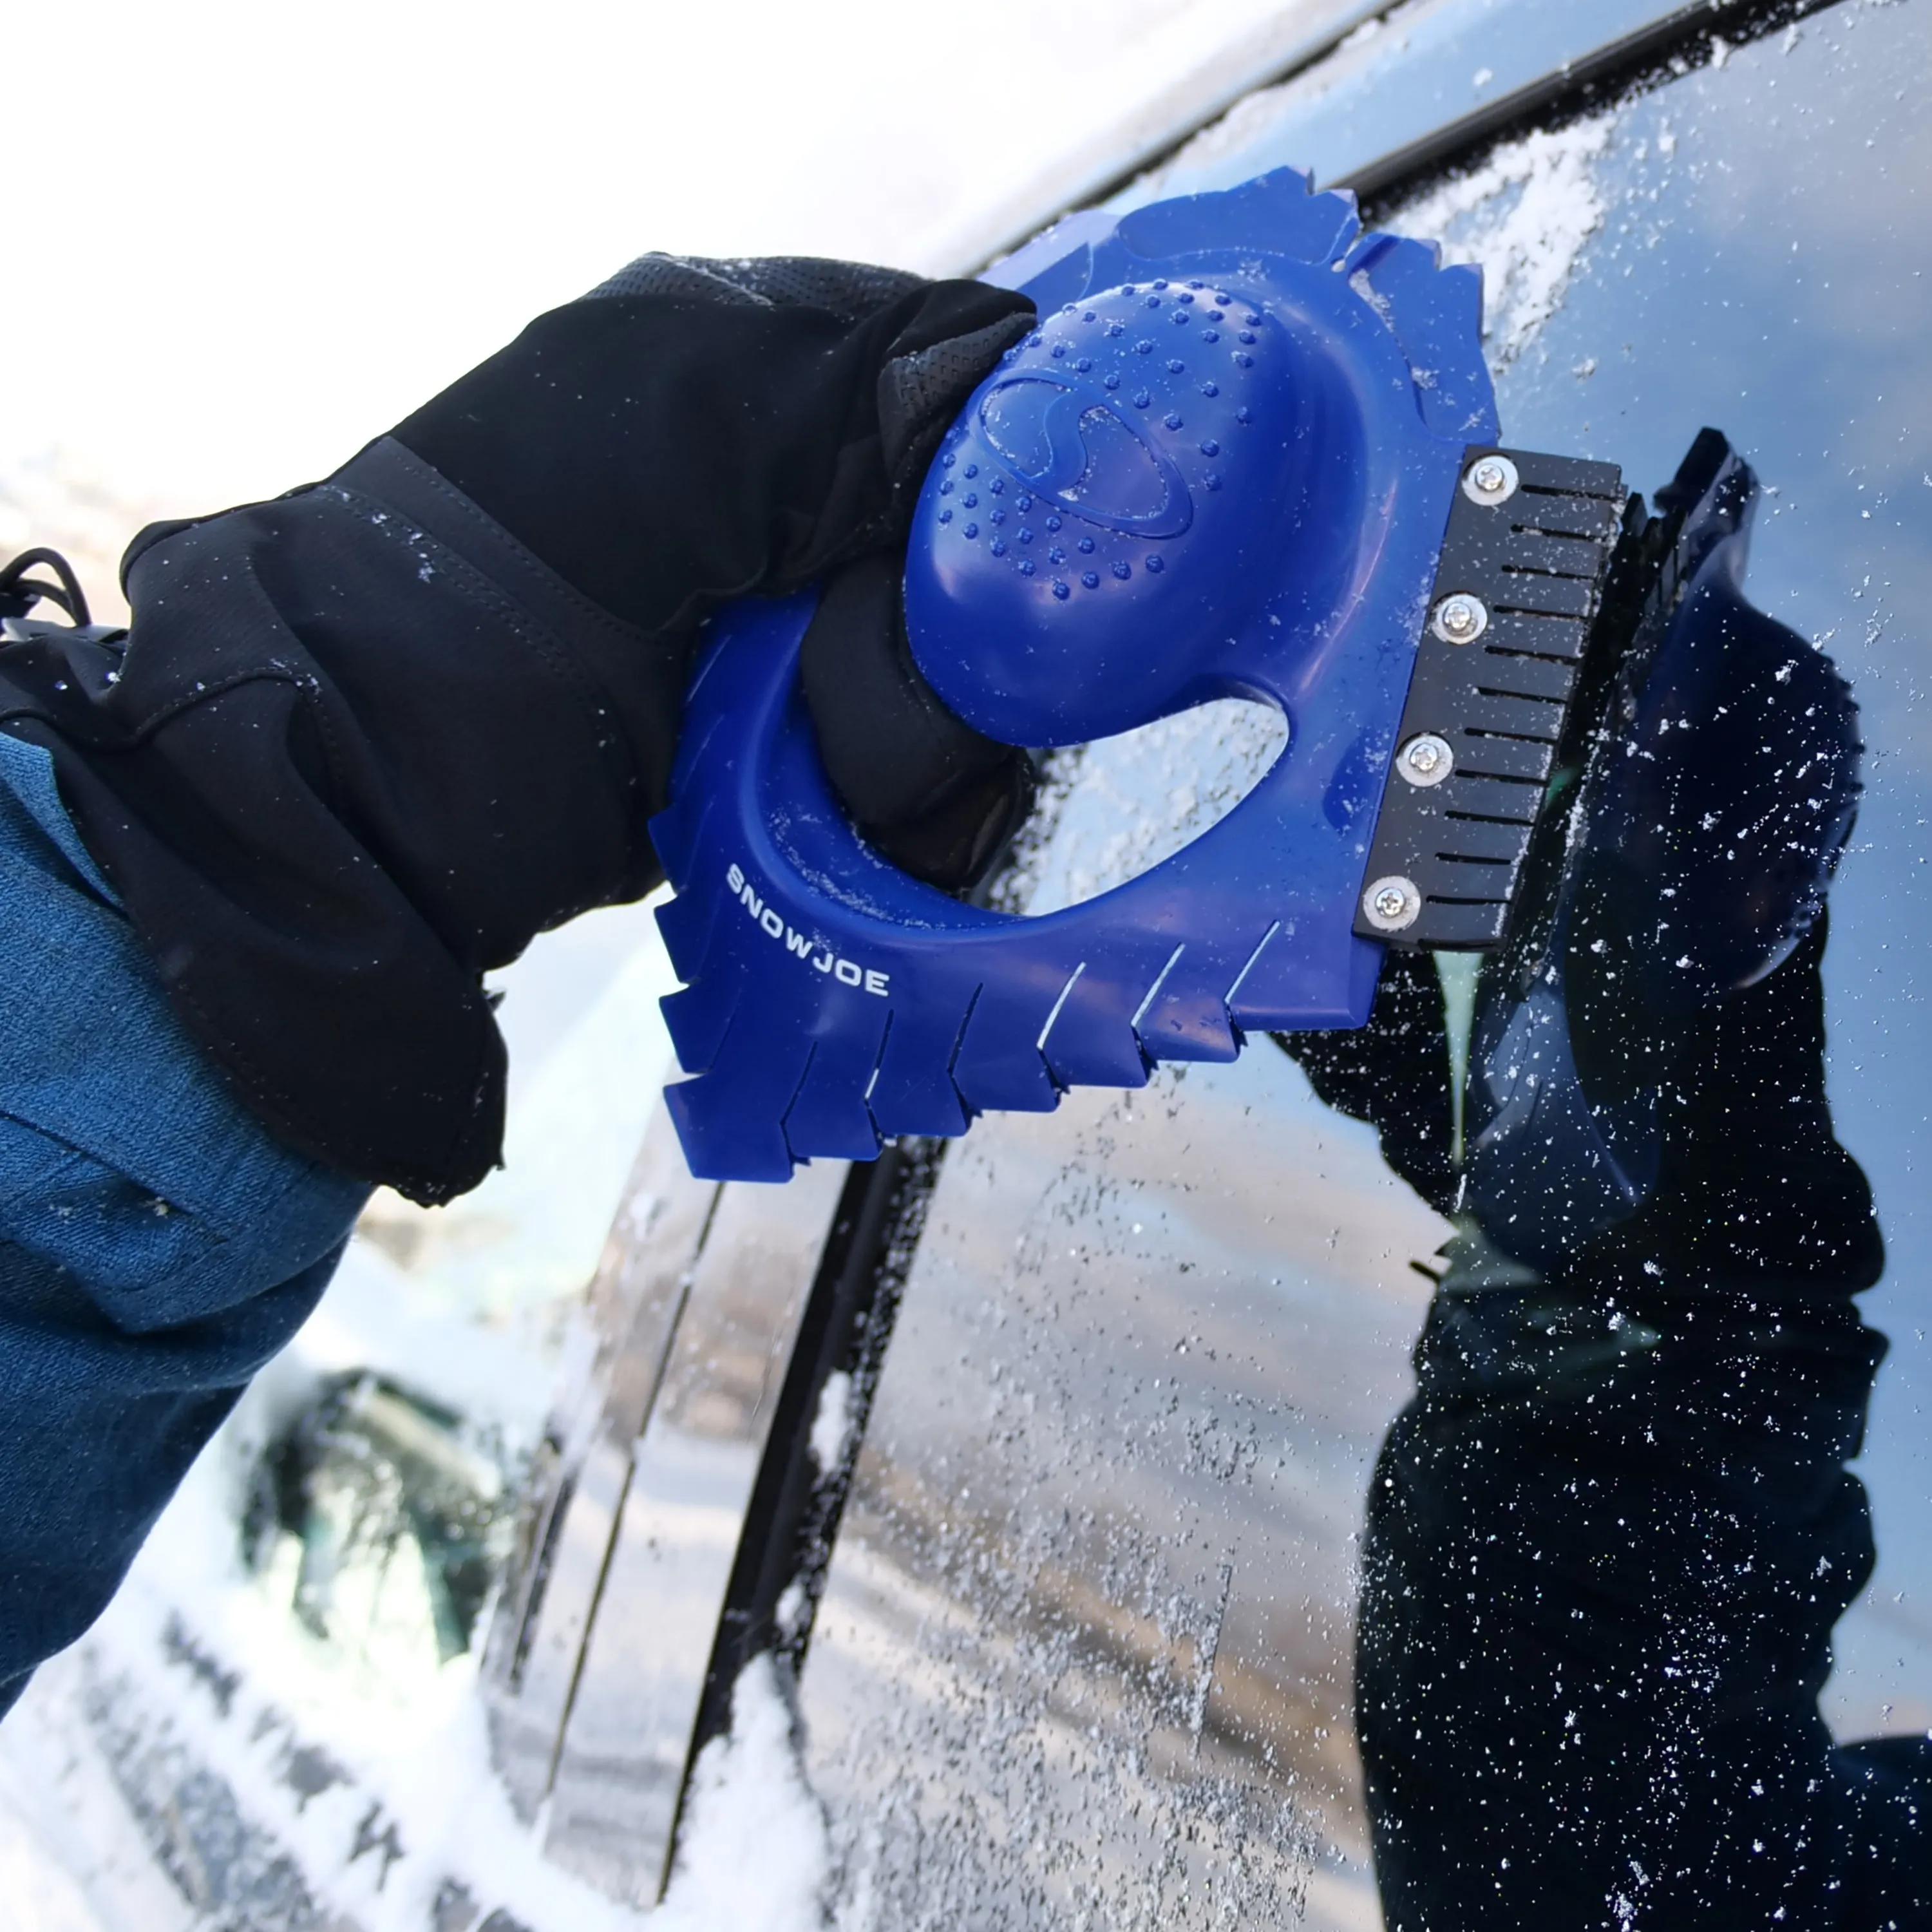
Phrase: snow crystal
[1359,281]
[831,1427]
[789,1617]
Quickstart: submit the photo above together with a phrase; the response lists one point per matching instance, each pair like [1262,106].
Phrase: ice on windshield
[1122,805]
[1523,218]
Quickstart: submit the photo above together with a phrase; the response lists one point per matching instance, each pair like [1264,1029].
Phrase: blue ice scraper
[1249,451]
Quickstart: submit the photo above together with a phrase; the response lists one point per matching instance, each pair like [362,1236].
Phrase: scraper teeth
[687,920]
[1198,1030]
[722,1142]
[697,1016]
[1436,314]
[1000,1066]
[1281,204]
[1091,1042]
[912,1089]
[828,1117]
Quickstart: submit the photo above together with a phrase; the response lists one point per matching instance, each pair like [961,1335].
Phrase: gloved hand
[929,791]
[577,479]
[362,743]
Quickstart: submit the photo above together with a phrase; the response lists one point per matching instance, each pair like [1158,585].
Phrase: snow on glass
[1522,217]
[1135,799]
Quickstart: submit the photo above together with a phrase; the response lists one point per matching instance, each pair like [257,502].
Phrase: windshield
[1194,1389]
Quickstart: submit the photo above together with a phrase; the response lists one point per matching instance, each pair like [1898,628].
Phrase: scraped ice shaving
[1523,218]
[833,1424]
[791,1614]
[1359,281]
[754,1855]
[1137,799]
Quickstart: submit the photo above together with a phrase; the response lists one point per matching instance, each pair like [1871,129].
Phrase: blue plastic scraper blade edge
[1221,466]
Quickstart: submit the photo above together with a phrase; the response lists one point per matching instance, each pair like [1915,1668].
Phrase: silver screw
[1460,619]
[1425,760]
[1491,480]
[1392,904]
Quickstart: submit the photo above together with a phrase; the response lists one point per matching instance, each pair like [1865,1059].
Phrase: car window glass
[1086,1652]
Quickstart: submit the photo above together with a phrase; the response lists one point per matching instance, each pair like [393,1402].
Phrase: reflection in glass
[1609,1538]
[397,1512]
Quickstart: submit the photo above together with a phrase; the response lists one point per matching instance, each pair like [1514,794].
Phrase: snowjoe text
[843,970]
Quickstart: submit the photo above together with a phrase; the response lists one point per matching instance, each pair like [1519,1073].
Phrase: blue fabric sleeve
[27,776]
[157,1244]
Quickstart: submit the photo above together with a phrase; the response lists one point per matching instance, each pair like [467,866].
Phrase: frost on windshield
[1080,1657]
[1523,217]
[1119,806]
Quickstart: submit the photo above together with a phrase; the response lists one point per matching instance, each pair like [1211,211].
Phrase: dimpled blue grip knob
[1221,466]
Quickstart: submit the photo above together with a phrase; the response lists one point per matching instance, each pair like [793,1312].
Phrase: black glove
[562,437]
[362,743]
[925,788]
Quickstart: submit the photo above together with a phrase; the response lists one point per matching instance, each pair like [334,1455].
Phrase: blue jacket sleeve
[157,1244]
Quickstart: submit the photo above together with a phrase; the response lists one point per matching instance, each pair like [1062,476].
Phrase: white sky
[289,224]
